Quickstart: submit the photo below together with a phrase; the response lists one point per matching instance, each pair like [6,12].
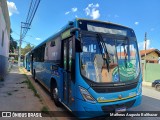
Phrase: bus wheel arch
[54,92]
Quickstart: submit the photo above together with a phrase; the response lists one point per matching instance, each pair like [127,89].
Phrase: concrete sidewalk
[149,84]
[16,96]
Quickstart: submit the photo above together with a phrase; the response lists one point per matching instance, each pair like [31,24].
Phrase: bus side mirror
[73,30]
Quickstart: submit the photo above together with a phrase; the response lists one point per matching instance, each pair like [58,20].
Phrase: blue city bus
[91,67]
[27,61]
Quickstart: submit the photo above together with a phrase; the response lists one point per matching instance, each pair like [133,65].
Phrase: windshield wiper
[125,56]
[103,46]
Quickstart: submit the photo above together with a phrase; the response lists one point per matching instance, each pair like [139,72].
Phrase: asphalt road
[150,102]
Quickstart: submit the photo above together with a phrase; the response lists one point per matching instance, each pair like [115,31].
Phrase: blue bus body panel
[44,74]
[27,61]
[28,66]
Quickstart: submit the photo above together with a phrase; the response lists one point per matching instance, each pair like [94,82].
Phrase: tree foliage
[13,44]
[26,49]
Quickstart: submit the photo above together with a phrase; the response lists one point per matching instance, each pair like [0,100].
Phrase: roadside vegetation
[45,110]
[30,85]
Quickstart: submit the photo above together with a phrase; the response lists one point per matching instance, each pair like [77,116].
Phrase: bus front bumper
[89,110]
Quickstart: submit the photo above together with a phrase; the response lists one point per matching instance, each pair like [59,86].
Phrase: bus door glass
[67,65]
[31,58]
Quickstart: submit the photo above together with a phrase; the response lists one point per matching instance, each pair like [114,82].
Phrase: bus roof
[74,21]
[52,36]
[105,22]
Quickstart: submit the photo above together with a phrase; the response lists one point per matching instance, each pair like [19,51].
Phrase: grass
[30,85]
[45,110]
[41,101]
[26,81]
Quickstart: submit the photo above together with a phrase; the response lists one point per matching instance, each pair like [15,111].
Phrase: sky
[140,15]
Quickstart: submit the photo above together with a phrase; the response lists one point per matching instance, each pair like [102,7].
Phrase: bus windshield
[119,64]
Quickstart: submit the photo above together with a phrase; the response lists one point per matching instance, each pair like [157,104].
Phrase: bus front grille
[111,89]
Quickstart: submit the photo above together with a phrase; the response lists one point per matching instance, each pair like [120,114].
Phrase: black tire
[54,95]
[34,76]
[157,87]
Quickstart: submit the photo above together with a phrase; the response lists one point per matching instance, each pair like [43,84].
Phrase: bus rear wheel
[55,96]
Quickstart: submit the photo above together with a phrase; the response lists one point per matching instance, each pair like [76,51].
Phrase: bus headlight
[139,89]
[86,95]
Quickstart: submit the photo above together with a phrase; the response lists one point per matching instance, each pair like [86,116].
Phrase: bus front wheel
[157,87]
[54,95]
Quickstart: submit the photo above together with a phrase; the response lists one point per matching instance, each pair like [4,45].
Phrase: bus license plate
[118,110]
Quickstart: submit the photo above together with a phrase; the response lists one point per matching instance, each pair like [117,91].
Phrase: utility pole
[145,42]
[145,47]
[19,51]
[31,13]
[20,42]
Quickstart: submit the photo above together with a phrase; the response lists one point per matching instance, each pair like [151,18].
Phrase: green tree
[13,44]
[26,49]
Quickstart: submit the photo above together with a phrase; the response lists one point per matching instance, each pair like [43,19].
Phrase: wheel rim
[158,88]
[55,93]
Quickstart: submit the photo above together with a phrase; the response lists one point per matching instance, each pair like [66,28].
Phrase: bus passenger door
[31,58]
[67,61]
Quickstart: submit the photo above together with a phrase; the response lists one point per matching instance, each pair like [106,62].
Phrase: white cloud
[87,11]
[12,8]
[95,14]
[136,23]
[141,45]
[38,38]
[90,5]
[76,16]
[92,11]
[116,16]
[74,9]
[66,13]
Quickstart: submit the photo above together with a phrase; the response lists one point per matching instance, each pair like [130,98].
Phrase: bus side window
[53,43]
[52,50]
[70,55]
